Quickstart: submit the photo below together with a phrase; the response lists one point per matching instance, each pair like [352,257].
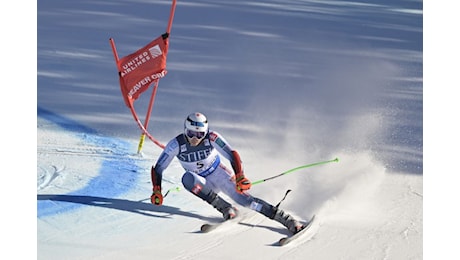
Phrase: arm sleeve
[224,148]
[237,164]
[168,154]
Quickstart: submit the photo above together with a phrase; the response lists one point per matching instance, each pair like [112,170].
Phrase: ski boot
[230,213]
[222,206]
[288,221]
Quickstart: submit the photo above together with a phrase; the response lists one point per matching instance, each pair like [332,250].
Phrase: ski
[286,240]
[208,227]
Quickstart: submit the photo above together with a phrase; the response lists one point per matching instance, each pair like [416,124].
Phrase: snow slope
[286,82]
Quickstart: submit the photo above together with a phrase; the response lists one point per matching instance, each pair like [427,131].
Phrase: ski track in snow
[46,176]
[219,236]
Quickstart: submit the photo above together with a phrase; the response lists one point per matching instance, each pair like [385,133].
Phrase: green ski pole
[295,169]
[273,177]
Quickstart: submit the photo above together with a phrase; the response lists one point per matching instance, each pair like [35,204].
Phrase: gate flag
[142,68]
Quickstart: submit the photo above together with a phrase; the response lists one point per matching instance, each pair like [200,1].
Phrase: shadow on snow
[138,207]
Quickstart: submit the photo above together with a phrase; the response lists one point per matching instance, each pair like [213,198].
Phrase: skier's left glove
[157,197]
[242,183]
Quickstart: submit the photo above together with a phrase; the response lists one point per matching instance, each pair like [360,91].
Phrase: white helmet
[196,125]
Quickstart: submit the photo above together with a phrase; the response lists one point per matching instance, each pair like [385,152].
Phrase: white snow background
[286,82]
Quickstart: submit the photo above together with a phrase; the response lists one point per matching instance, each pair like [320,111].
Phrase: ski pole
[177,188]
[285,195]
[166,194]
[295,169]
[171,189]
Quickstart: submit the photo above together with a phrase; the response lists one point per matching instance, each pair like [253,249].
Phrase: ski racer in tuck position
[198,150]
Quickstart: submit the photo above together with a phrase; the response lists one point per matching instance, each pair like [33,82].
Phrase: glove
[157,197]
[242,183]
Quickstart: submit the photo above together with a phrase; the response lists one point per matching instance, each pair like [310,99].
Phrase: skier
[198,149]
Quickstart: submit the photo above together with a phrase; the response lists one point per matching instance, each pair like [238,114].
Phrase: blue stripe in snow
[118,172]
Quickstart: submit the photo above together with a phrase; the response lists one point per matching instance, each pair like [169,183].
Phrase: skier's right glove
[157,197]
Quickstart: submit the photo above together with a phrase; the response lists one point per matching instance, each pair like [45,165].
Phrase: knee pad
[196,185]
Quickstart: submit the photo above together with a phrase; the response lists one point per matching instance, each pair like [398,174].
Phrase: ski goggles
[191,134]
